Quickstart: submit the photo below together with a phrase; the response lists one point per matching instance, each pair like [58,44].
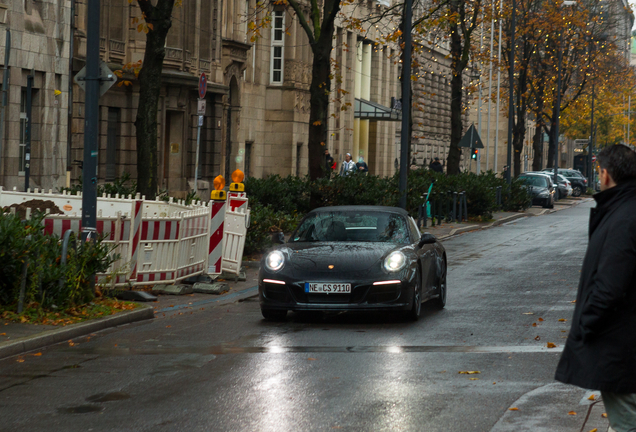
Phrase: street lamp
[558,103]
[511,83]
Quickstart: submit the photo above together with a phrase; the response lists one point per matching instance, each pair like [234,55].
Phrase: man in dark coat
[600,352]
[436,166]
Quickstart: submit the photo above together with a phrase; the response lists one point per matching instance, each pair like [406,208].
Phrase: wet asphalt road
[226,369]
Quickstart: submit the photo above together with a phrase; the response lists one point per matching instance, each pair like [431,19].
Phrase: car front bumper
[364,296]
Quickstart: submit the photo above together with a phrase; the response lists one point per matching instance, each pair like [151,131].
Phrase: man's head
[348,157]
[326,152]
[436,159]
[617,165]
[360,159]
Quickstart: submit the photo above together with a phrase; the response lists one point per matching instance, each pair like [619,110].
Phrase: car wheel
[576,191]
[274,314]
[416,310]
[440,301]
[546,203]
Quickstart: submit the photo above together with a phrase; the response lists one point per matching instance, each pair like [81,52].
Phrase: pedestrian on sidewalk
[328,163]
[362,166]
[600,352]
[348,166]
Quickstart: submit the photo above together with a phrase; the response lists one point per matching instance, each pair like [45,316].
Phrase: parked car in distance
[578,180]
[564,187]
[541,188]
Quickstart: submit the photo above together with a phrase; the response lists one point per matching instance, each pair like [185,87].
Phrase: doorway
[173,151]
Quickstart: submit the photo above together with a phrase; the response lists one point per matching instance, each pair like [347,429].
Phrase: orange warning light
[219,182]
[238,176]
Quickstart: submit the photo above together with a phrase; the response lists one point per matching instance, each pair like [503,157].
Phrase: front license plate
[327,288]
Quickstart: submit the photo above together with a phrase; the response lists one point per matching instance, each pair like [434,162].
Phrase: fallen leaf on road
[562,320]
[513,409]
[594,430]
[71,343]
[311,358]
[537,338]
[168,326]
[551,345]
[469,372]
[534,324]
[528,313]
[3,334]
[540,319]
[20,360]
[37,354]
[573,301]
[473,379]
[592,397]
[171,306]
[572,413]
[494,383]
[604,415]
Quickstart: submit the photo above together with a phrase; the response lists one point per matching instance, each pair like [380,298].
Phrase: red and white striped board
[57,225]
[237,202]
[138,205]
[215,251]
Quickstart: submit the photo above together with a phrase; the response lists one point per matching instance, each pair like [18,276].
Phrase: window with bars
[278,48]
[23,132]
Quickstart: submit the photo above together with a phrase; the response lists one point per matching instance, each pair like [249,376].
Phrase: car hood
[317,257]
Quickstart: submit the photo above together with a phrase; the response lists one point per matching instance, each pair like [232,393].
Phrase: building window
[112,141]
[248,158]
[278,48]
[23,131]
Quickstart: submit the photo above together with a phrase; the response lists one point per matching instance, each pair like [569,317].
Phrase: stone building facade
[40,47]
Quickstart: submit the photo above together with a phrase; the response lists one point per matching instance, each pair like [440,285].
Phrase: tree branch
[302,20]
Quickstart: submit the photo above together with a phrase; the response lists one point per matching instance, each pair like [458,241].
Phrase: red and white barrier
[237,218]
[215,251]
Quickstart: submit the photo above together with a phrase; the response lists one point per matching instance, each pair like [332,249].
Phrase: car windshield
[352,226]
[539,181]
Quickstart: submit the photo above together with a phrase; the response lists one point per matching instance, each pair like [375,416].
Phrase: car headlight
[274,260]
[395,261]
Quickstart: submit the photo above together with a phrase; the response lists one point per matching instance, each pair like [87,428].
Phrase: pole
[511,83]
[492,37]
[590,148]
[5,91]
[558,112]
[629,112]
[196,163]
[27,148]
[89,172]
[406,101]
[481,45]
[495,165]
[69,127]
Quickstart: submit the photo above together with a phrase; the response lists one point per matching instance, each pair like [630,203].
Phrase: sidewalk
[447,230]
[18,338]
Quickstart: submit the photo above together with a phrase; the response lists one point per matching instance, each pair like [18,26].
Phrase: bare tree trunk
[160,18]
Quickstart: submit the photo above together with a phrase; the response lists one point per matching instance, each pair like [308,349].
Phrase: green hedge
[278,203]
[43,253]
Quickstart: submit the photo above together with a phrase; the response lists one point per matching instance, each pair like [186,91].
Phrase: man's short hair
[619,161]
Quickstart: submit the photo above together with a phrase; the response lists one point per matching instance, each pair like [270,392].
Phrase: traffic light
[474,154]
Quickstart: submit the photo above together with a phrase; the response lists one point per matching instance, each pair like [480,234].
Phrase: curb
[225,299]
[51,337]
[463,229]
[508,219]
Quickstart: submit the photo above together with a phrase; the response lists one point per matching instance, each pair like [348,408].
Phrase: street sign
[581,142]
[201,107]
[203,85]
[593,158]
[471,139]
[106,78]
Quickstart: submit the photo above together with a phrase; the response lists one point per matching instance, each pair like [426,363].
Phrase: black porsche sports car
[353,258]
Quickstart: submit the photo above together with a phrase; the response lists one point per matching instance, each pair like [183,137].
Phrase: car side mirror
[278,238]
[427,238]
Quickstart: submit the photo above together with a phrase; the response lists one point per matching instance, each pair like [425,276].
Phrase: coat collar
[608,200]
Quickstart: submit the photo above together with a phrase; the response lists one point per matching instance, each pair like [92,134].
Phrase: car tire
[440,302]
[576,191]
[416,309]
[274,314]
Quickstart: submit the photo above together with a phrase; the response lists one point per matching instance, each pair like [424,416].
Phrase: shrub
[264,221]
[25,241]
